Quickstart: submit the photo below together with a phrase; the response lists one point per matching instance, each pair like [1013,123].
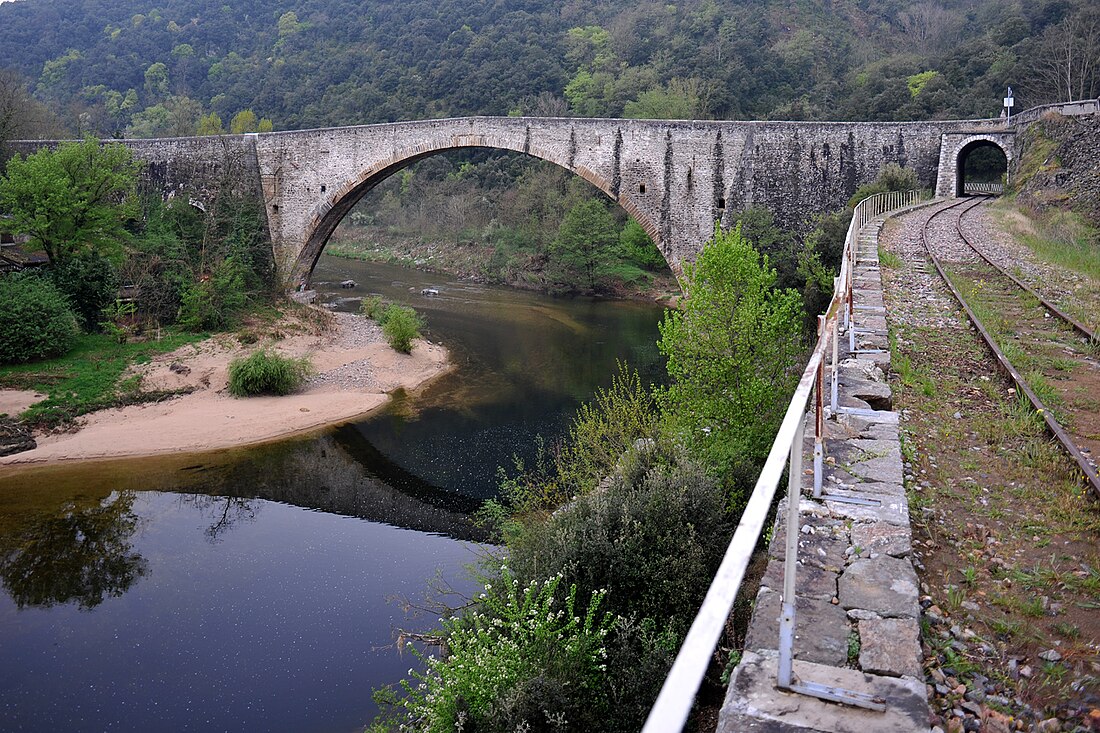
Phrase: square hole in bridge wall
[721,203]
[322,188]
[641,188]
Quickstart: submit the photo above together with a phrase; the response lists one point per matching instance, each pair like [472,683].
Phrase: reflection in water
[82,554]
[226,511]
[525,363]
[281,624]
[246,589]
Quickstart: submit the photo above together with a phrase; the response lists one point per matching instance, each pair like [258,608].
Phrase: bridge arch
[340,200]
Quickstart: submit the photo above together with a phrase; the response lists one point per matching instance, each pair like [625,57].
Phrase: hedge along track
[1031,317]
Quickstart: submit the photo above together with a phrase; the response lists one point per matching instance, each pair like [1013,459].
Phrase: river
[259,589]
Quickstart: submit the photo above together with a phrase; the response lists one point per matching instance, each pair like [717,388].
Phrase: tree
[1067,66]
[679,100]
[732,349]
[586,241]
[78,197]
[21,116]
[156,82]
[243,121]
[210,124]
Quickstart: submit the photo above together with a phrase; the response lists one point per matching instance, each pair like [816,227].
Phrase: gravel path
[353,332]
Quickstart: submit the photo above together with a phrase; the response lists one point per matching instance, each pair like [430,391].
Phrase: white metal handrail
[673,704]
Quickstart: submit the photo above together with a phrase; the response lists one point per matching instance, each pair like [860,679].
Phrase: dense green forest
[129,68]
[139,67]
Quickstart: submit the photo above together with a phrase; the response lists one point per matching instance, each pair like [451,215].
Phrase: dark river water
[259,589]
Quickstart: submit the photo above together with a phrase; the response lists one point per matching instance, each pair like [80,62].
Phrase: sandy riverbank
[355,371]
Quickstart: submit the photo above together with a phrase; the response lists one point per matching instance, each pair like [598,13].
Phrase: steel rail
[1077,326]
[1052,424]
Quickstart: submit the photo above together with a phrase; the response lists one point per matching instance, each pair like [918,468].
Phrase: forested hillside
[156,67]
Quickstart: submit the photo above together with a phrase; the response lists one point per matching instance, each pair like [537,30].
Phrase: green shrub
[400,325]
[90,282]
[373,307]
[733,353]
[892,177]
[653,539]
[265,372]
[214,302]
[521,662]
[35,320]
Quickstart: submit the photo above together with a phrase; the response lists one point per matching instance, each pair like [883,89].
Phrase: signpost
[1008,104]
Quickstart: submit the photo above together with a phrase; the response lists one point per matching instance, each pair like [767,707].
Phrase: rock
[995,722]
[347,284]
[1050,725]
[890,646]
[177,368]
[821,629]
[882,538]
[15,437]
[934,615]
[1050,655]
[885,585]
[429,292]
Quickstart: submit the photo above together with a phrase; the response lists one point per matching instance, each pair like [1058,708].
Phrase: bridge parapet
[677,178]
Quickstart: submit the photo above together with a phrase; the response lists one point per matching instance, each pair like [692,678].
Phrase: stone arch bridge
[676,178]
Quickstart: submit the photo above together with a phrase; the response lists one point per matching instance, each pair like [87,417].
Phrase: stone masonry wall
[676,178]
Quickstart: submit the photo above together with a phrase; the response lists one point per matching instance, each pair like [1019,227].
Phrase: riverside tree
[76,198]
[732,349]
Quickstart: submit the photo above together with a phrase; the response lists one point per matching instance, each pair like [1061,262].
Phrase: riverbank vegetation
[612,535]
[401,325]
[125,275]
[264,372]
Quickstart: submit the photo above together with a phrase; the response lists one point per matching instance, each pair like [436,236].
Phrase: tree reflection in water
[225,511]
[82,554]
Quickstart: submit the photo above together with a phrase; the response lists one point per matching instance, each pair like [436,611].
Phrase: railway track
[1050,356]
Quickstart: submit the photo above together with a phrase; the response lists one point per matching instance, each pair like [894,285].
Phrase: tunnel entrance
[981,169]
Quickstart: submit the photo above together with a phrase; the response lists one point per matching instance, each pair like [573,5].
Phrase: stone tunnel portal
[981,168]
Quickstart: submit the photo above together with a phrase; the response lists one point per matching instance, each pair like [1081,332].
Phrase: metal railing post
[785,674]
[819,418]
[836,368]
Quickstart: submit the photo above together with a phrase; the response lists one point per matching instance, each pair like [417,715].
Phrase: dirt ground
[355,369]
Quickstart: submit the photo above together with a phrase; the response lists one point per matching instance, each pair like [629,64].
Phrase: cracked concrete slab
[821,629]
[754,705]
[886,585]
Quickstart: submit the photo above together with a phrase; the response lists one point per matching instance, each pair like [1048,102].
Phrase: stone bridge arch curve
[338,200]
[955,146]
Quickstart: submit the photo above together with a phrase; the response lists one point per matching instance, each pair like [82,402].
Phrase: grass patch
[888,259]
[1065,239]
[264,372]
[89,377]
